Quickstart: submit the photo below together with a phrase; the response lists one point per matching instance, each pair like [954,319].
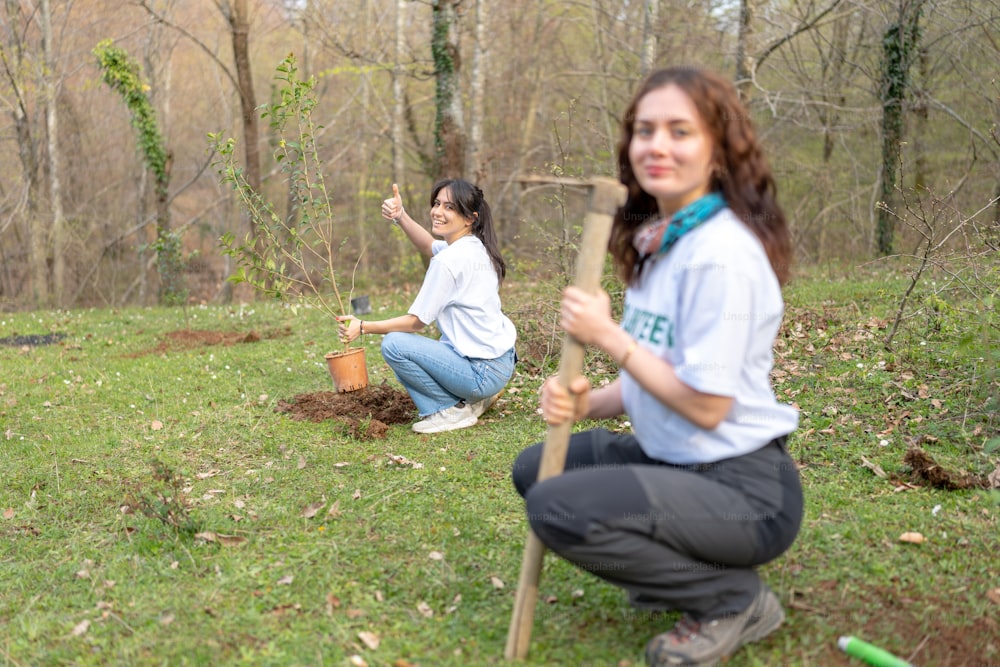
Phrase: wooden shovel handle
[606,197]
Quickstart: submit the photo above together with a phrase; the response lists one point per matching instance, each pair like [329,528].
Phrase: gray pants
[683,538]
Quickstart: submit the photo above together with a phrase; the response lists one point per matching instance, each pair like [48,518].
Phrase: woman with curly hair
[681,511]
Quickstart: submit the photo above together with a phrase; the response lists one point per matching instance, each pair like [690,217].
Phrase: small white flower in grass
[937,508]
[883,443]
[923,342]
[861,365]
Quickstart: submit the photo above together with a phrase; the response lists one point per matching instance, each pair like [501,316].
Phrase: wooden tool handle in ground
[606,197]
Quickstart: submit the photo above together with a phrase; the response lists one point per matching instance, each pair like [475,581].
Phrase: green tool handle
[870,653]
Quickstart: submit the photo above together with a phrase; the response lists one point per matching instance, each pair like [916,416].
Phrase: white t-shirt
[461,292]
[711,307]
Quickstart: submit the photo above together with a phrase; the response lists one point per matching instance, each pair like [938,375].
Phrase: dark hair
[742,174]
[470,203]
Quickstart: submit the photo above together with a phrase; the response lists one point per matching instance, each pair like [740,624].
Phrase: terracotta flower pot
[348,369]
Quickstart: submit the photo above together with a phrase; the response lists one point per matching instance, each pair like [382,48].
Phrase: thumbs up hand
[392,208]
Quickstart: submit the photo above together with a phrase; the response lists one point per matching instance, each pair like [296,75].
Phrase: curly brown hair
[743,176]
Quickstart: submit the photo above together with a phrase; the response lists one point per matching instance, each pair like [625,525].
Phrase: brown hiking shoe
[702,644]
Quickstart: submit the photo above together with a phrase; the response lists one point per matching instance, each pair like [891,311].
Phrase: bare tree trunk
[27,148]
[449,125]
[240,26]
[650,16]
[398,108]
[744,47]
[361,198]
[58,233]
[534,94]
[477,168]
[602,64]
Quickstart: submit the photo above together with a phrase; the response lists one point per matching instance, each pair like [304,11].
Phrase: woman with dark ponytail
[455,379]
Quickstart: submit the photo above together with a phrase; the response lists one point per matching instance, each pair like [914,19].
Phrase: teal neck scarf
[660,236]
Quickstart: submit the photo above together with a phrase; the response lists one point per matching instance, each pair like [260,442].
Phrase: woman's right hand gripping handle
[559,405]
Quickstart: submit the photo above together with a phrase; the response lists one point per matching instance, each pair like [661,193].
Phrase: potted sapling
[292,257]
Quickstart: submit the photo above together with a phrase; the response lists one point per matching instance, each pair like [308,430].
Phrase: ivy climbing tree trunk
[900,46]
[449,125]
[122,75]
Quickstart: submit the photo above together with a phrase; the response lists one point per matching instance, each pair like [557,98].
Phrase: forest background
[865,106]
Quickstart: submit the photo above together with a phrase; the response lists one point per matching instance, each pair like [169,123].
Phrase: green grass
[427,557]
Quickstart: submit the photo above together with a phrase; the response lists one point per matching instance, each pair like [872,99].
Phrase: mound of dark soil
[925,470]
[368,412]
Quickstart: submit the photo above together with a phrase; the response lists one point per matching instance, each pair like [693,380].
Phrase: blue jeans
[438,377]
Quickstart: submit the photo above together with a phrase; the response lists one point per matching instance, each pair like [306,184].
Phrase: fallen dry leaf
[912,538]
[874,467]
[357,661]
[8,513]
[497,582]
[425,609]
[286,580]
[224,540]
[993,477]
[81,628]
[302,462]
[309,511]
[356,495]
[156,425]
[993,595]
[207,474]
[370,639]
[334,510]
[436,555]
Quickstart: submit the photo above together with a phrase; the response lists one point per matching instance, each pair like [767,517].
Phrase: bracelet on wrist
[628,353]
[361,326]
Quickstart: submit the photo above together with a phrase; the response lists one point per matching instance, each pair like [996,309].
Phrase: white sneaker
[449,419]
[482,405]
